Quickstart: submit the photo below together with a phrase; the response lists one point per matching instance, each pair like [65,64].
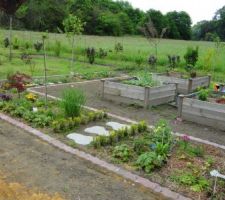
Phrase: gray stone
[80,139]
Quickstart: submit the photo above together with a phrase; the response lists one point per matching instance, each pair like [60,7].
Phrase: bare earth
[93,90]
[36,164]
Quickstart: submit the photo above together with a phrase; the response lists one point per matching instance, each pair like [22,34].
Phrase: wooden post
[147,95]
[103,88]
[176,93]
[190,83]
[210,77]
[180,104]
[10,37]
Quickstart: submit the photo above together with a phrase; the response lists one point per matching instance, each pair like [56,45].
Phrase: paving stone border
[154,187]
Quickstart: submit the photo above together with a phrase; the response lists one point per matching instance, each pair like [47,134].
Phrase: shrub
[91,55]
[141,145]
[38,46]
[203,95]
[57,48]
[149,161]
[122,152]
[102,53]
[16,43]
[191,58]
[174,60]
[152,61]
[72,102]
[6,42]
[118,47]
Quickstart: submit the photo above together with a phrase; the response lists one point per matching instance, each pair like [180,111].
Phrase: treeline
[102,17]
[209,30]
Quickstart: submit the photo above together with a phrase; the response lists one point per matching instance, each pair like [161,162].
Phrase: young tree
[73,26]
[152,35]
[10,7]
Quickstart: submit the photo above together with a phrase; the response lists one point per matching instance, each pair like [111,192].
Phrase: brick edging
[156,188]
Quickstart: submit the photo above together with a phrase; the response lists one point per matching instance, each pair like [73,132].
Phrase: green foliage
[122,152]
[149,161]
[195,182]
[141,145]
[6,42]
[38,46]
[118,47]
[174,60]
[91,53]
[15,43]
[203,95]
[102,53]
[73,25]
[72,102]
[191,58]
[142,80]
[152,61]
[57,48]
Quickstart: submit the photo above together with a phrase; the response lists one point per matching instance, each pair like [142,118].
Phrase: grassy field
[134,48]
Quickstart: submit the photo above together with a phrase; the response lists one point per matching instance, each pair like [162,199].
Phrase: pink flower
[185,138]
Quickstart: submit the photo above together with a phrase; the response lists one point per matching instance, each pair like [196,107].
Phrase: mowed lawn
[135,47]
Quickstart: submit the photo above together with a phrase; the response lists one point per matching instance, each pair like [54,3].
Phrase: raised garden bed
[185,85]
[210,112]
[127,91]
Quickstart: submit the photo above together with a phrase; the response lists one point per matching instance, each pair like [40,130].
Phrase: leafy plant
[91,55]
[57,48]
[149,161]
[139,60]
[38,46]
[102,53]
[191,58]
[72,102]
[152,61]
[16,43]
[6,42]
[174,60]
[122,152]
[141,145]
[118,47]
[203,95]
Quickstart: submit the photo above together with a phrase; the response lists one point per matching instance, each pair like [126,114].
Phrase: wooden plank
[200,82]
[162,100]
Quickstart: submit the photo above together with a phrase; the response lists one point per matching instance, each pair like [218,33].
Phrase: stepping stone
[98,130]
[80,139]
[117,126]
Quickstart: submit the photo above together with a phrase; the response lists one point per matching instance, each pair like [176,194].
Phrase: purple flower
[5,97]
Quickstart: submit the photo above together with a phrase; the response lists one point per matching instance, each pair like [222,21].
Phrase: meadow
[134,57]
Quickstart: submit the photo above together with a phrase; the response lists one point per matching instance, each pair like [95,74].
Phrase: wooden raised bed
[201,112]
[117,91]
[185,86]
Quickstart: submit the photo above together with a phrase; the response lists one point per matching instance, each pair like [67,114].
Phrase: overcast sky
[197,9]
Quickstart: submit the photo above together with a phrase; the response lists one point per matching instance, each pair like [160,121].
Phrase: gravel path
[36,164]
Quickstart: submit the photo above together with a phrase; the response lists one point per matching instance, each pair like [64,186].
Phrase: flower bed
[136,91]
[185,85]
[176,163]
[199,110]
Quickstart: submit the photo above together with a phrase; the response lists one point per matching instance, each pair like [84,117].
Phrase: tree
[10,7]
[73,26]
[152,35]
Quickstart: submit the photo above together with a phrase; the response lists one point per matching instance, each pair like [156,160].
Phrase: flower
[31,97]
[185,138]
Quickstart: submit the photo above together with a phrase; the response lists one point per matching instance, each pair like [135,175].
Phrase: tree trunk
[10,37]
[45,74]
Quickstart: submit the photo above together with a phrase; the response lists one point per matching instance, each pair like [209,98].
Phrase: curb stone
[101,163]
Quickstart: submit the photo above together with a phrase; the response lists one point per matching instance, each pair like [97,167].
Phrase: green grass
[134,47]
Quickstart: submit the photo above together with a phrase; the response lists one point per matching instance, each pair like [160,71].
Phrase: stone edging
[156,188]
[195,139]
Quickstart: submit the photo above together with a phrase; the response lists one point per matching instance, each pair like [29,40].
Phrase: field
[134,57]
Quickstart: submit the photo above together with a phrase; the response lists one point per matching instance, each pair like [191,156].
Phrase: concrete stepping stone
[98,130]
[117,126]
[80,139]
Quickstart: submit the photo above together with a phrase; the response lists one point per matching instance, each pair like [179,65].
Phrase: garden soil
[35,164]
[92,91]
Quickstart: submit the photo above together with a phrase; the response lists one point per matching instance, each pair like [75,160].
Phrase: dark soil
[36,164]
[93,91]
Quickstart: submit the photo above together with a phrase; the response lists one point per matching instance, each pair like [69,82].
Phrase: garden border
[155,187]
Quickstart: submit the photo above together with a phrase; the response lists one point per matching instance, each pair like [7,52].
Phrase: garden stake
[45,70]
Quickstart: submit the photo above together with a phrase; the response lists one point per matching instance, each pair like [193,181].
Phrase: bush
[57,48]
[191,58]
[38,46]
[118,47]
[72,102]
[173,61]
[203,95]
[91,55]
[16,43]
[152,61]
[6,42]
[122,152]
[102,53]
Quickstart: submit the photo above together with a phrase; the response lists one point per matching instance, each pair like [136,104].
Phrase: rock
[80,139]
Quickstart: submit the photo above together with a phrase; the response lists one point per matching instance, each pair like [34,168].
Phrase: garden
[155,153]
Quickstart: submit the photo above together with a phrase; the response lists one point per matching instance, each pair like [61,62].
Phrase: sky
[198,9]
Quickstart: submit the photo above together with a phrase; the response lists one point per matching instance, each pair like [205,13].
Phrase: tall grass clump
[57,48]
[72,102]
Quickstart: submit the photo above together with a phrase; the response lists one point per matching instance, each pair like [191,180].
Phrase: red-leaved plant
[18,81]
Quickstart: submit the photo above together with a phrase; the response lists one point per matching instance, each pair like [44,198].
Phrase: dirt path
[36,164]
[92,91]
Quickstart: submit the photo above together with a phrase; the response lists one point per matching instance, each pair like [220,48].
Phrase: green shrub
[149,161]
[203,95]
[122,152]
[72,102]
[57,48]
[141,145]
[118,47]
[38,46]
[6,42]
[91,55]
[16,43]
